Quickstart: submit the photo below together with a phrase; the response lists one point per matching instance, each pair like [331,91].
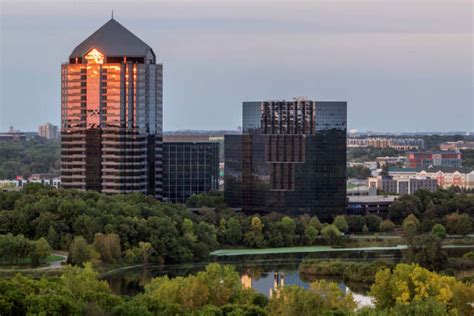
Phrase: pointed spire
[112,17]
[113,40]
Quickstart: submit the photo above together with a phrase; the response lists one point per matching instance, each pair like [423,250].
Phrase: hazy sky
[402,65]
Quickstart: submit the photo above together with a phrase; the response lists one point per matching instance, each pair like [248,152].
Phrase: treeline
[407,290]
[370,153]
[454,210]
[358,172]
[88,223]
[23,158]
[363,272]
[67,218]
[16,249]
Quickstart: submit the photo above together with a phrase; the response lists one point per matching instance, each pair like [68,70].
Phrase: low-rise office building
[370,204]
[396,185]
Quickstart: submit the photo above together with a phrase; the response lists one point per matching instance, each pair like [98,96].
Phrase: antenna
[112,14]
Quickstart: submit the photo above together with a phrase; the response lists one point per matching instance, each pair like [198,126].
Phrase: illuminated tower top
[114,42]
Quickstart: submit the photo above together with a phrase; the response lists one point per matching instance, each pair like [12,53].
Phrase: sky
[402,66]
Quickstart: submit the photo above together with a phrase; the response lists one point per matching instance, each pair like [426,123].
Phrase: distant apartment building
[41,178]
[456,146]
[424,159]
[48,131]
[189,168]
[383,161]
[445,177]
[383,142]
[402,185]
[9,137]
[111,114]
[291,158]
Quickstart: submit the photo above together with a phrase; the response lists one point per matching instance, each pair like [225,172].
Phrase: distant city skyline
[403,66]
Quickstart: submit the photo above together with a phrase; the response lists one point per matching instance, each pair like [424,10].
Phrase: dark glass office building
[291,158]
[189,168]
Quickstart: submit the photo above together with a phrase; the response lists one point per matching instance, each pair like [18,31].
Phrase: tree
[256,223]
[80,252]
[426,250]
[410,226]
[404,206]
[84,286]
[52,237]
[341,223]
[321,298]
[458,224]
[331,234]
[287,227]
[233,233]
[358,172]
[314,221]
[254,237]
[365,229]
[373,222]
[355,223]
[217,286]
[310,234]
[188,230]
[387,226]
[412,283]
[145,251]
[108,246]
[40,251]
[439,231]
[15,248]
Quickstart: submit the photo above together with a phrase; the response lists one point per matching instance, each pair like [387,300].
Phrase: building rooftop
[431,169]
[433,152]
[372,198]
[113,40]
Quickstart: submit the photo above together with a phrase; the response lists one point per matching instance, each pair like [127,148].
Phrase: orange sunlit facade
[111,114]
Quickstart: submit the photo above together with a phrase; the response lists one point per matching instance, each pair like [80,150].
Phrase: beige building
[48,131]
[460,145]
[445,177]
[382,142]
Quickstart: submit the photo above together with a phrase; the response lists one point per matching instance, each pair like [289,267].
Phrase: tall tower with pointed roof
[111,114]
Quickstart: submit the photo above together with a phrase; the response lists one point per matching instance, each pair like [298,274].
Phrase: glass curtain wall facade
[293,161]
[189,168]
[111,115]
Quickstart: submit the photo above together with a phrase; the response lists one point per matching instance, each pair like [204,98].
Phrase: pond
[264,271]
[260,272]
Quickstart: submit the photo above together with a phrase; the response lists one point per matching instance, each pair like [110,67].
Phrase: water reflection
[268,284]
[263,276]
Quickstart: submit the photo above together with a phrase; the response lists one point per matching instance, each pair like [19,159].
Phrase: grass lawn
[351,186]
